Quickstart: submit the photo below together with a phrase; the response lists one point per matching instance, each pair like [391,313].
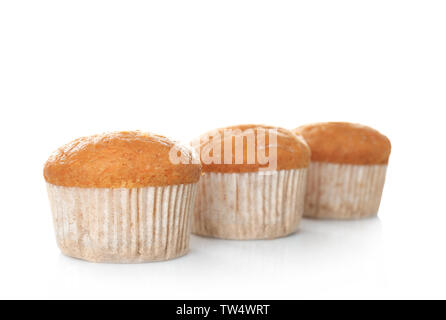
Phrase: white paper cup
[343,191]
[254,205]
[122,225]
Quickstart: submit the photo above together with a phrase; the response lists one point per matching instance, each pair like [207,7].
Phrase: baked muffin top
[127,159]
[250,148]
[343,142]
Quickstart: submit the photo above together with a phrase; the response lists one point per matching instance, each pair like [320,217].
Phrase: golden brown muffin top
[343,142]
[121,160]
[270,148]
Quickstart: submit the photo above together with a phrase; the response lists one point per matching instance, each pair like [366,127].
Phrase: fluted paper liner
[122,225]
[343,191]
[254,205]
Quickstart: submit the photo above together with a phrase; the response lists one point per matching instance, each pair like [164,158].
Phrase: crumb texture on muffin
[121,160]
[285,148]
[343,142]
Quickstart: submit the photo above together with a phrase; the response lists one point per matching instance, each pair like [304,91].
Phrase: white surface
[71,68]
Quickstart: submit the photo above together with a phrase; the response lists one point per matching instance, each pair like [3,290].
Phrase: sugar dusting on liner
[254,205]
[123,225]
[343,191]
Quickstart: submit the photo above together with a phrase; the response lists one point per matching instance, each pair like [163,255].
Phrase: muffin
[117,197]
[253,182]
[347,171]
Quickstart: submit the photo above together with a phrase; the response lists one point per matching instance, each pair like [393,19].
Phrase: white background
[179,68]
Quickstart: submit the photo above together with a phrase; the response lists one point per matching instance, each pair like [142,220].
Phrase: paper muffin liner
[343,191]
[254,205]
[123,225]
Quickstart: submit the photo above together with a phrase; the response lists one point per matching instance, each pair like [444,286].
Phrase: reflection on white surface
[369,258]
[316,240]
[228,268]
